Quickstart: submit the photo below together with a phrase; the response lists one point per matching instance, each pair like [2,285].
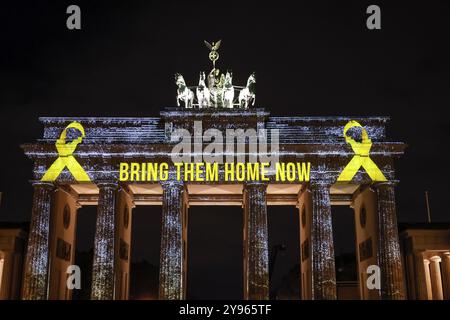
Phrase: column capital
[256,184]
[426,261]
[107,184]
[319,184]
[435,259]
[446,254]
[43,184]
[172,183]
[385,184]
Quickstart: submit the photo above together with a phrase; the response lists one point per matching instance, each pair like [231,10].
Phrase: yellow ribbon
[66,158]
[361,157]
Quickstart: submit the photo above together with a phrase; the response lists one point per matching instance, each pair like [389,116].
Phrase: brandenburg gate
[82,162]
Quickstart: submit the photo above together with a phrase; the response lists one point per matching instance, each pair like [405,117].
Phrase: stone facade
[110,141]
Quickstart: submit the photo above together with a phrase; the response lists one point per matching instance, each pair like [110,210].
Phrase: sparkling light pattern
[110,141]
[317,139]
[257,264]
[323,270]
[171,259]
[103,261]
[389,258]
[37,261]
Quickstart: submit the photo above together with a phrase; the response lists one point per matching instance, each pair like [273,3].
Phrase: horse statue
[248,93]
[228,91]
[183,93]
[203,94]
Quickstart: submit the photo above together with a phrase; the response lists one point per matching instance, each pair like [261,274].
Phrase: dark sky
[311,58]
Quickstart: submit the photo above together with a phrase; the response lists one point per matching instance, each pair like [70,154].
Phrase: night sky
[314,58]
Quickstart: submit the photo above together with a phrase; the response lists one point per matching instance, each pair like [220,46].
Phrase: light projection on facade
[65,156]
[361,157]
[108,166]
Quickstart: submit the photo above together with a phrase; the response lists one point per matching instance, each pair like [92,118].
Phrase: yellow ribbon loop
[361,157]
[66,158]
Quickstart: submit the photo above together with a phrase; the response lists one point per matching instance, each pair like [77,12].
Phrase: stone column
[305,219]
[62,239]
[103,261]
[171,260]
[446,270]
[124,207]
[426,266]
[436,279]
[389,258]
[322,248]
[185,240]
[257,252]
[2,263]
[410,275]
[35,279]
[7,276]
